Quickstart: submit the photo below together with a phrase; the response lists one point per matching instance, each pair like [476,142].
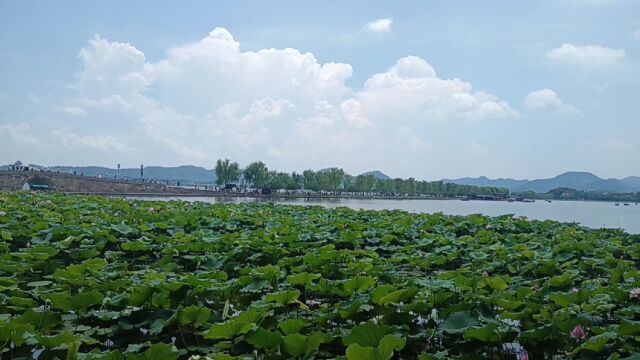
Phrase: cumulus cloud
[209,99]
[588,55]
[411,87]
[379,26]
[548,100]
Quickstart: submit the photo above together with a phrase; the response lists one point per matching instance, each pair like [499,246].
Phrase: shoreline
[209,194]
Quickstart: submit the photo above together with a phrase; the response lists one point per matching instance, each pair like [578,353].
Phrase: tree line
[258,176]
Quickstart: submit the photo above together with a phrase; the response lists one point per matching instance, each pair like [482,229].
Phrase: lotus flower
[524,356]
[634,293]
[578,332]
[485,274]
[575,290]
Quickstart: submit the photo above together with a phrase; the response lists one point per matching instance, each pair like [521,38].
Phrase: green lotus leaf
[358,284]
[488,333]
[40,320]
[292,326]
[81,301]
[303,278]
[283,297]
[496,282]
[14,332]
[629,328]
[53,341]
[300,345]
[195,315]
[561,280]
[458,322]
[159,351]
[262,338]
[367,334]
[599,342]
[123,229]
[384,351]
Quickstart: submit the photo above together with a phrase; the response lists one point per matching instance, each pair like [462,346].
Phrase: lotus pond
[85,277]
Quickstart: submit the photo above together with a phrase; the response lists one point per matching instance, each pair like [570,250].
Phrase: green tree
[365,183]
[309,180]
[256,174]
[335,177]
[226,171]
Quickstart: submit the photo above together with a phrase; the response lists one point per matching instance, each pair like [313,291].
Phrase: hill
[377,174]
[585,181]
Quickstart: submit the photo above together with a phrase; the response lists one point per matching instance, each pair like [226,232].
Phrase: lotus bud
[578,332]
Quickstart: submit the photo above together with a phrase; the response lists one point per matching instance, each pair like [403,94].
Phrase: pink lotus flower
[578,332]
[524,356]
[634,293]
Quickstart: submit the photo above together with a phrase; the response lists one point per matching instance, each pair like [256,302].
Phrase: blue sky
[425,89]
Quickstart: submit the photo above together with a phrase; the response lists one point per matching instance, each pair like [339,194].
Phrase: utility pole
[142,172]
[118,175]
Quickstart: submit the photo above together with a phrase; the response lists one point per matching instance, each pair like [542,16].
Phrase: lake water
[588,213]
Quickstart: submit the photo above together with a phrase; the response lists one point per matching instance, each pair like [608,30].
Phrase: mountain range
[189,174]
[574,179]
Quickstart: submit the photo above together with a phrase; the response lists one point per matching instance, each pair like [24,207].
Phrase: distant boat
[617,204]
[548,201]
[626,204]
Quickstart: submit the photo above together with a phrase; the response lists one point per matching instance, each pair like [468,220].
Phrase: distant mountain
[186,174]
[574,179]
[377,174]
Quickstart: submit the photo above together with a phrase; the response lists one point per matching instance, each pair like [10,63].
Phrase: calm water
[588,213]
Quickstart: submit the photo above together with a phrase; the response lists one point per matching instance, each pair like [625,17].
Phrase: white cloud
[74,111]
[635,35]
[379,26]
[410,139]
[210,99]
[352,112]
[97,142]
[548,100]
[111,66]
[17,133]
[411,87]
[587,56]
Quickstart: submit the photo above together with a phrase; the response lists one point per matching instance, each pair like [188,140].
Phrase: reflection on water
[589,213]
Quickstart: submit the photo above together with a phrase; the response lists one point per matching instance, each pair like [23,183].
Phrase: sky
[424,89]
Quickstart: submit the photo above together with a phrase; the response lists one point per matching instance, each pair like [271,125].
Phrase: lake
[588,213]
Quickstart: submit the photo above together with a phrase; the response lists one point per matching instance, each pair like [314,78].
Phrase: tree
[256,174]
[309,180]
[365,183]
[226,171]
[335,177]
